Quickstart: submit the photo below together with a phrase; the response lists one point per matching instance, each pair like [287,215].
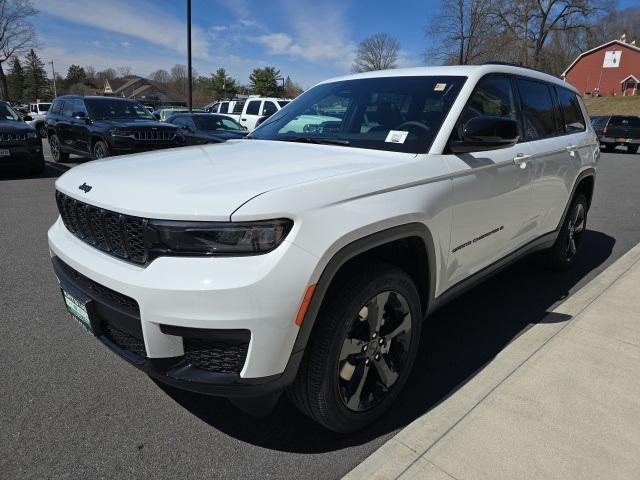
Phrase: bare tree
[461,32]
[124,71]
[17,34]
[531,22]
[160,76]
[378,52]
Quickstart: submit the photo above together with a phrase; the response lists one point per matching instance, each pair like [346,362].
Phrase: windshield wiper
[321,141]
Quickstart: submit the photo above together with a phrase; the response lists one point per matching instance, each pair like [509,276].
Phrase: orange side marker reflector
[305,304]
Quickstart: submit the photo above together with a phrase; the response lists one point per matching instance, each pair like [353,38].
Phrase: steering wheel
[414,123]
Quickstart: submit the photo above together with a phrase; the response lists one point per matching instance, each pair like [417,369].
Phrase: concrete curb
[403,454]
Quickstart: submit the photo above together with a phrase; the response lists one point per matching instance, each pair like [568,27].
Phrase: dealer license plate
[77,309]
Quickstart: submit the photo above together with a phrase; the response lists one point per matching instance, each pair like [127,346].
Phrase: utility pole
[53,75]
[189,74]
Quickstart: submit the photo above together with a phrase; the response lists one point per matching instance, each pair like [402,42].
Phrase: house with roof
[140,89]
[610,69]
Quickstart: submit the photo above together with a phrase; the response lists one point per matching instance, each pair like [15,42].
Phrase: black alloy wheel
[375,350]
[362,347]
[566,248]
[100,150]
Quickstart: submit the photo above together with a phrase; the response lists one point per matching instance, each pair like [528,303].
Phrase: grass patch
[613,105]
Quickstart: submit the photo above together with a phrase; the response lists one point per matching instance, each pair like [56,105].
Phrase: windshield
[8,114]
[216,122]
[401,114]
[105,109]
[625,121]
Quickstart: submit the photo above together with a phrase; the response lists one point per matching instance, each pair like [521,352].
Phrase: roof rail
[510,64]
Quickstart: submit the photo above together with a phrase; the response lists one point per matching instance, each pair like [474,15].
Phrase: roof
[100,97]
[635,79]
[604,45]
[473,72]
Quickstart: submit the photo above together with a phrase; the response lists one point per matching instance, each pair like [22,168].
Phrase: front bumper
[124,145]
[25,155]
[182,298]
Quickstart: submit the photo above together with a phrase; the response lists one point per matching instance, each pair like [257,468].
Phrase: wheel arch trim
[358,247]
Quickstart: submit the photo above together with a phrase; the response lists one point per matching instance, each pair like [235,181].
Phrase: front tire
[56,149]
[632,148]
[362,349]
[42,130]
[566,248]
[100,150]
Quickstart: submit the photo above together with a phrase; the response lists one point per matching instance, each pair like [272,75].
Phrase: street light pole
[53,74]
[189,74]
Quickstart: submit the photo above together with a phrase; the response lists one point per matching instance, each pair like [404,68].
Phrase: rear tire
[42,130]
[566,248]
[56,149]
[362,349]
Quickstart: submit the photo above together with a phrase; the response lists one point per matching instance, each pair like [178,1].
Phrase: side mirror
[27,118]
[79,115]
[485,133]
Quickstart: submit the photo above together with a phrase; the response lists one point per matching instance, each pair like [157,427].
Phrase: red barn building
[610,69]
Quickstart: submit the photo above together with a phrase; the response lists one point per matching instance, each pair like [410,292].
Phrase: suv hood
[210,182]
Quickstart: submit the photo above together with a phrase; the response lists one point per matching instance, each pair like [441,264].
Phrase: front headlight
[32,135]
[120,133]
[215,238]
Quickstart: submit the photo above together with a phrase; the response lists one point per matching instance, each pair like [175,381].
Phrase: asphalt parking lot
[69,408]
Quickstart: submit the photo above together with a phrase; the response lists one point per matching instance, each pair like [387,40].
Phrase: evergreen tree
[291,89]
[75,74]
[264,81]
[15,81]
[36,83]
[222,85]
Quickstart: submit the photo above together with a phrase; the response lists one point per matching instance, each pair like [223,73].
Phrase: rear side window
[254,107]
[571,113]
[620,121]
[237,108]
[538,110]
[224,107]
[57,106]
[79,107]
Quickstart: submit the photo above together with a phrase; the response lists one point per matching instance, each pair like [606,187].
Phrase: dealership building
[607,70]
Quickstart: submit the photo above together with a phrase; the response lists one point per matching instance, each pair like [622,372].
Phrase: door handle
[571,149]
[244,119]
[521,160]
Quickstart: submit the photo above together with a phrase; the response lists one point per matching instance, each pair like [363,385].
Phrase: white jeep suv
[306,257]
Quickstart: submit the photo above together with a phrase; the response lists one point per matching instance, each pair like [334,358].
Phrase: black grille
[117,234]
[111,296]
[8,137]
[124,340]
[215,356]
[151,135]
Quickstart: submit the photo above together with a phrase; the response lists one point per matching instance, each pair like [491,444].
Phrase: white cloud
[140,20]
[126,44]
[319,33]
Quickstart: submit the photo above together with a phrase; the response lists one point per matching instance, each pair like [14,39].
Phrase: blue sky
[309,40]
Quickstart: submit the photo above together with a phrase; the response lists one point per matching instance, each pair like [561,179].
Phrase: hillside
[613,105]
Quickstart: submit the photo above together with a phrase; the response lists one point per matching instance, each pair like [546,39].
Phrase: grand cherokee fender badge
[477,239]
[85,188]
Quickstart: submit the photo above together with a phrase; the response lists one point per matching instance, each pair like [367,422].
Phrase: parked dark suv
[614,130]
[20,145]
[99,127]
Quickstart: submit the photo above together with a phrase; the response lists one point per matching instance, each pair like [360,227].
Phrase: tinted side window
[68,108]
[269,108]
[538,109]
[254,107]
[571,113]
[57,106]
[492,97]
[224,107]
[79,107]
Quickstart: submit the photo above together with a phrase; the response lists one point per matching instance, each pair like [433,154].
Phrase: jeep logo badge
[85,188]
